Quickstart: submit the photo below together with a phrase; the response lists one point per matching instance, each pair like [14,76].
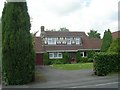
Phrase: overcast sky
[75,15]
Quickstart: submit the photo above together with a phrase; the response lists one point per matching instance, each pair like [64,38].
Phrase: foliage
[18,61]
[107,40]
[64,29]
[57,61]
[105,63]
[78,56]
[46,60]
[0,43]
[115,46]
[77,66]
[85,60]
[90,54]
[94,34]
[65,58]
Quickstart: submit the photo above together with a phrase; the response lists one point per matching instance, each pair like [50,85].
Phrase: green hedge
[84,60]
[105,63]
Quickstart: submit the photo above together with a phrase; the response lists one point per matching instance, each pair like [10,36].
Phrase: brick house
[116,34]
[58,42]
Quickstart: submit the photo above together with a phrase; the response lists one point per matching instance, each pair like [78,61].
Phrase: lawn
[76,66]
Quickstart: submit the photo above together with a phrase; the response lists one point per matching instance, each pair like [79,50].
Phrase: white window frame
[83,54]
[55,55]
[69,41]
[51,41]
[77,39]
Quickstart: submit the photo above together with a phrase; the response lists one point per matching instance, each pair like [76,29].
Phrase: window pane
[55,55]
[59,55]
[50,55]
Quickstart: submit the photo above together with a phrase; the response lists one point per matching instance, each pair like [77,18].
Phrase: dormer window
[68,40]
[52,41]
[77,40]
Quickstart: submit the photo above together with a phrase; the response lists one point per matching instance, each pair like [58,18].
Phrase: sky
[75,15]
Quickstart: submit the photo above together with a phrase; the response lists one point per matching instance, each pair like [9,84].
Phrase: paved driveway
[55,78]
[52,74]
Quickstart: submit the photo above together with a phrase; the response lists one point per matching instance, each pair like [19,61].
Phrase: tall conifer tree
[106,41]
[18,59]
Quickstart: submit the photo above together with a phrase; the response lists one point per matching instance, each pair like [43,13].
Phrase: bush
[104,63]
[114,47]
[65,58]
[85,60]
[46,59]
[78,56]
[90,54]
[90,60]
[57,61]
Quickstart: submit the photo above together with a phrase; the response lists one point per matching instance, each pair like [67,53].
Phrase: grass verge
[76,66]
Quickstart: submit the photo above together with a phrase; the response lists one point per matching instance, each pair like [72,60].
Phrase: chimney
[42,28]
[42,34]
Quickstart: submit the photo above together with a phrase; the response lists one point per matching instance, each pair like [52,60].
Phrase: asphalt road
[55,78]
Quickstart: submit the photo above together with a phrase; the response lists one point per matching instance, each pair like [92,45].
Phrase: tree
[0,44]
[106,41]
[114,47]
[64,29]
[18,61]
[94,34]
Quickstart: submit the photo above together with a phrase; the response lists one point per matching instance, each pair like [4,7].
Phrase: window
[51,55]
[77,40]
[58,40]
[55,55]
[51,40]
[83,54]
[60,55]
[69,41]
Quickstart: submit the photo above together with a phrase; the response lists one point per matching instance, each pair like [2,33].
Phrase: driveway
[48,77]
[56,78]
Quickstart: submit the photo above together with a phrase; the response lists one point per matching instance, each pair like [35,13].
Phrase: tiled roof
[116,34]
[38,45]
[92,43]
[62,34]
[87,43]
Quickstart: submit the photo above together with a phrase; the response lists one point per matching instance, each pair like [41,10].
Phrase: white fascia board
[62,51]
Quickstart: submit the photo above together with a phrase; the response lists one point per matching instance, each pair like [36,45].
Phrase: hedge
[105,63]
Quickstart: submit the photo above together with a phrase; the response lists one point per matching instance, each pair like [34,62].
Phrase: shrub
[90,60]
[78,56]
[65,58]
[104,63]
[114,47]
[57,61]
[46,59]
[90,54]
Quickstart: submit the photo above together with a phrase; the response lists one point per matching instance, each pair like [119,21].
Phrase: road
[93,82]
[55,78]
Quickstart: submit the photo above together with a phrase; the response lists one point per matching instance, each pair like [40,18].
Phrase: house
[58,42]
[115,34]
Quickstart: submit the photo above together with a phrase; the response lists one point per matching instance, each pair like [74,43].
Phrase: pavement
[49,77]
